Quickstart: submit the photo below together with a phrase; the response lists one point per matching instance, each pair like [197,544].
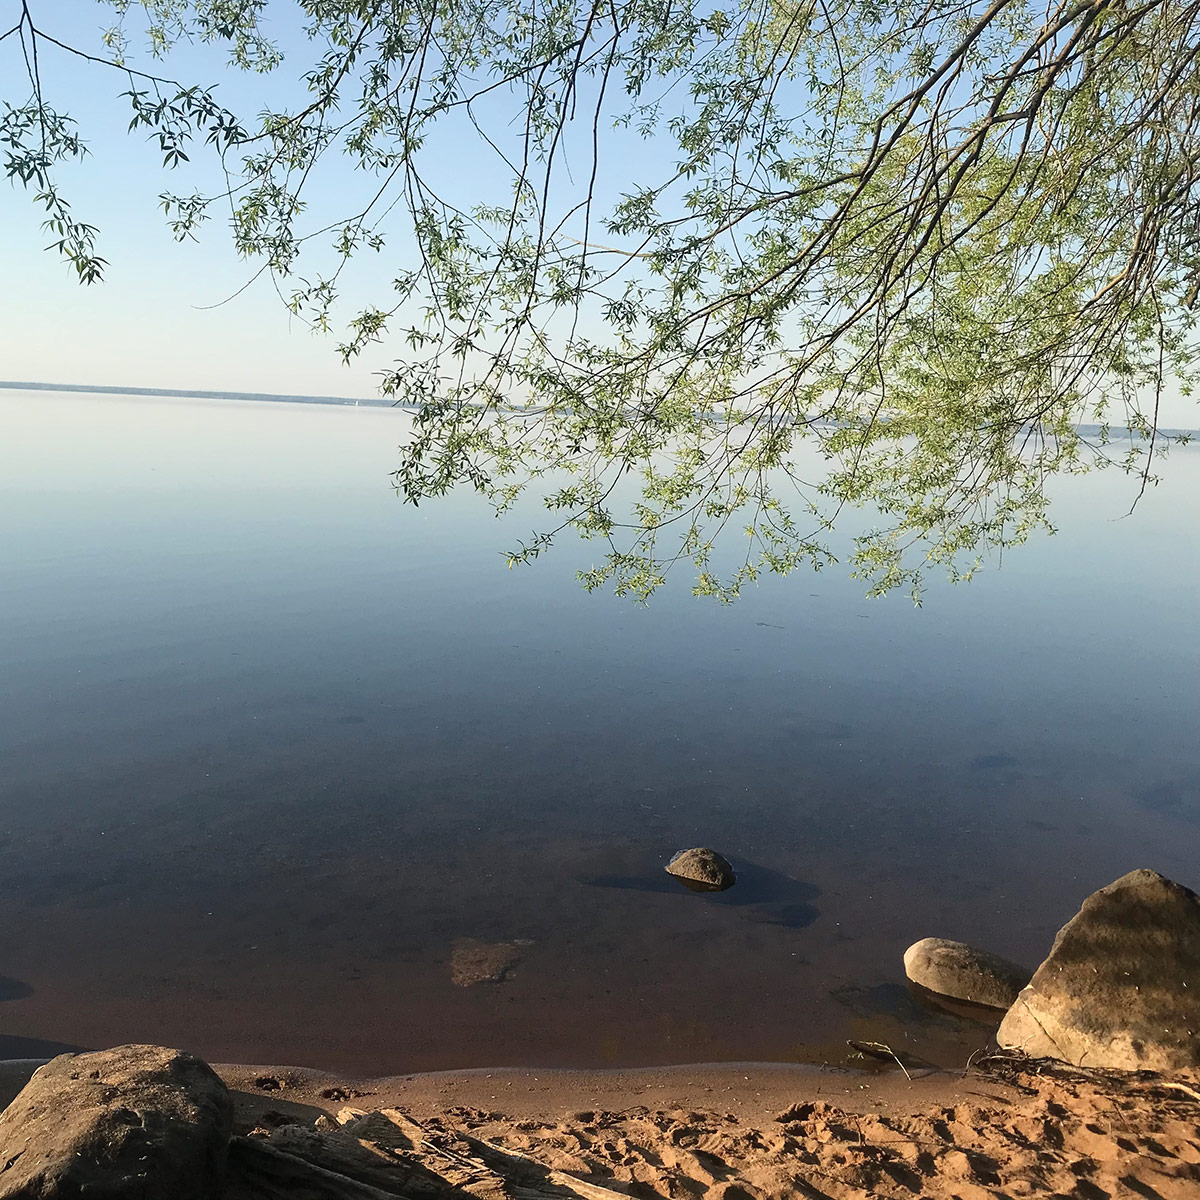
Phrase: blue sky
[175,314]
[163,317]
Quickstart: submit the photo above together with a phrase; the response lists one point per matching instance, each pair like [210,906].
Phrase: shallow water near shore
[275,744]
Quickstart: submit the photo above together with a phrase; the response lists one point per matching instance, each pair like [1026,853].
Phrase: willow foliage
[927,238]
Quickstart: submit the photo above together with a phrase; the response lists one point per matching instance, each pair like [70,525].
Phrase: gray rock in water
[704,867]
[1121,987]
[961,972]
[136,1121]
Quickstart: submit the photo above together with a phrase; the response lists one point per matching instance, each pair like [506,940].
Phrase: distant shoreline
[183,393]
[1115,432]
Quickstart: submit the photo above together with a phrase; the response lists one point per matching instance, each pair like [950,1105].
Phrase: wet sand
[755,1092]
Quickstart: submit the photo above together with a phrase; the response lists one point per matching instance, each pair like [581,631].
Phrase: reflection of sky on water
[244,684]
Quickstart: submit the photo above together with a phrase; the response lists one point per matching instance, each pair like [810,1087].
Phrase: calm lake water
[272,744]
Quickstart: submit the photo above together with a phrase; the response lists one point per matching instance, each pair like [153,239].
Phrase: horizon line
[1083,428]
[184,393]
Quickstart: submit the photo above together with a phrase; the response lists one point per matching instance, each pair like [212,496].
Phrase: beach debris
[1121,986]
[473,961]
[377,1155]
[142,1121]
[299,1160]
[879,1050]
[962,972]
[703,869]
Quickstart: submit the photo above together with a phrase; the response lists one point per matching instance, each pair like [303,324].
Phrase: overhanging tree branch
[925,240]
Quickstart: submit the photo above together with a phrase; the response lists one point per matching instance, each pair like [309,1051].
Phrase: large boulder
[961,972]
[703,869]
[133,1123]
[1121,988]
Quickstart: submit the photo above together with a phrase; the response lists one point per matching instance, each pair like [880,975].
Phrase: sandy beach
[738,1131]
[777,1132]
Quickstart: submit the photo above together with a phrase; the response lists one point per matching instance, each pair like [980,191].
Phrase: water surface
[272,744]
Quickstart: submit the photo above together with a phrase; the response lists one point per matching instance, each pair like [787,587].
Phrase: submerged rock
[135,1121]
[961,972]
[1121,987]
[703,867]
[473,961]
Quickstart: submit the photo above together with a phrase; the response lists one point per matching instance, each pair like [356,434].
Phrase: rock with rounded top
[135,1121]
[962,972]
[1121,986]
[702,868]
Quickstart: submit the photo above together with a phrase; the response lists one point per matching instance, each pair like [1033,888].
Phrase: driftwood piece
[440,1150]
[519,1171]
[359,1156]
[260,1171]
[386,1155]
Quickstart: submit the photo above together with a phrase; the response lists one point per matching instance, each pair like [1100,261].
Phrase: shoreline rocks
[1120,988]
[961,972]
[141,1121]
[702,869]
